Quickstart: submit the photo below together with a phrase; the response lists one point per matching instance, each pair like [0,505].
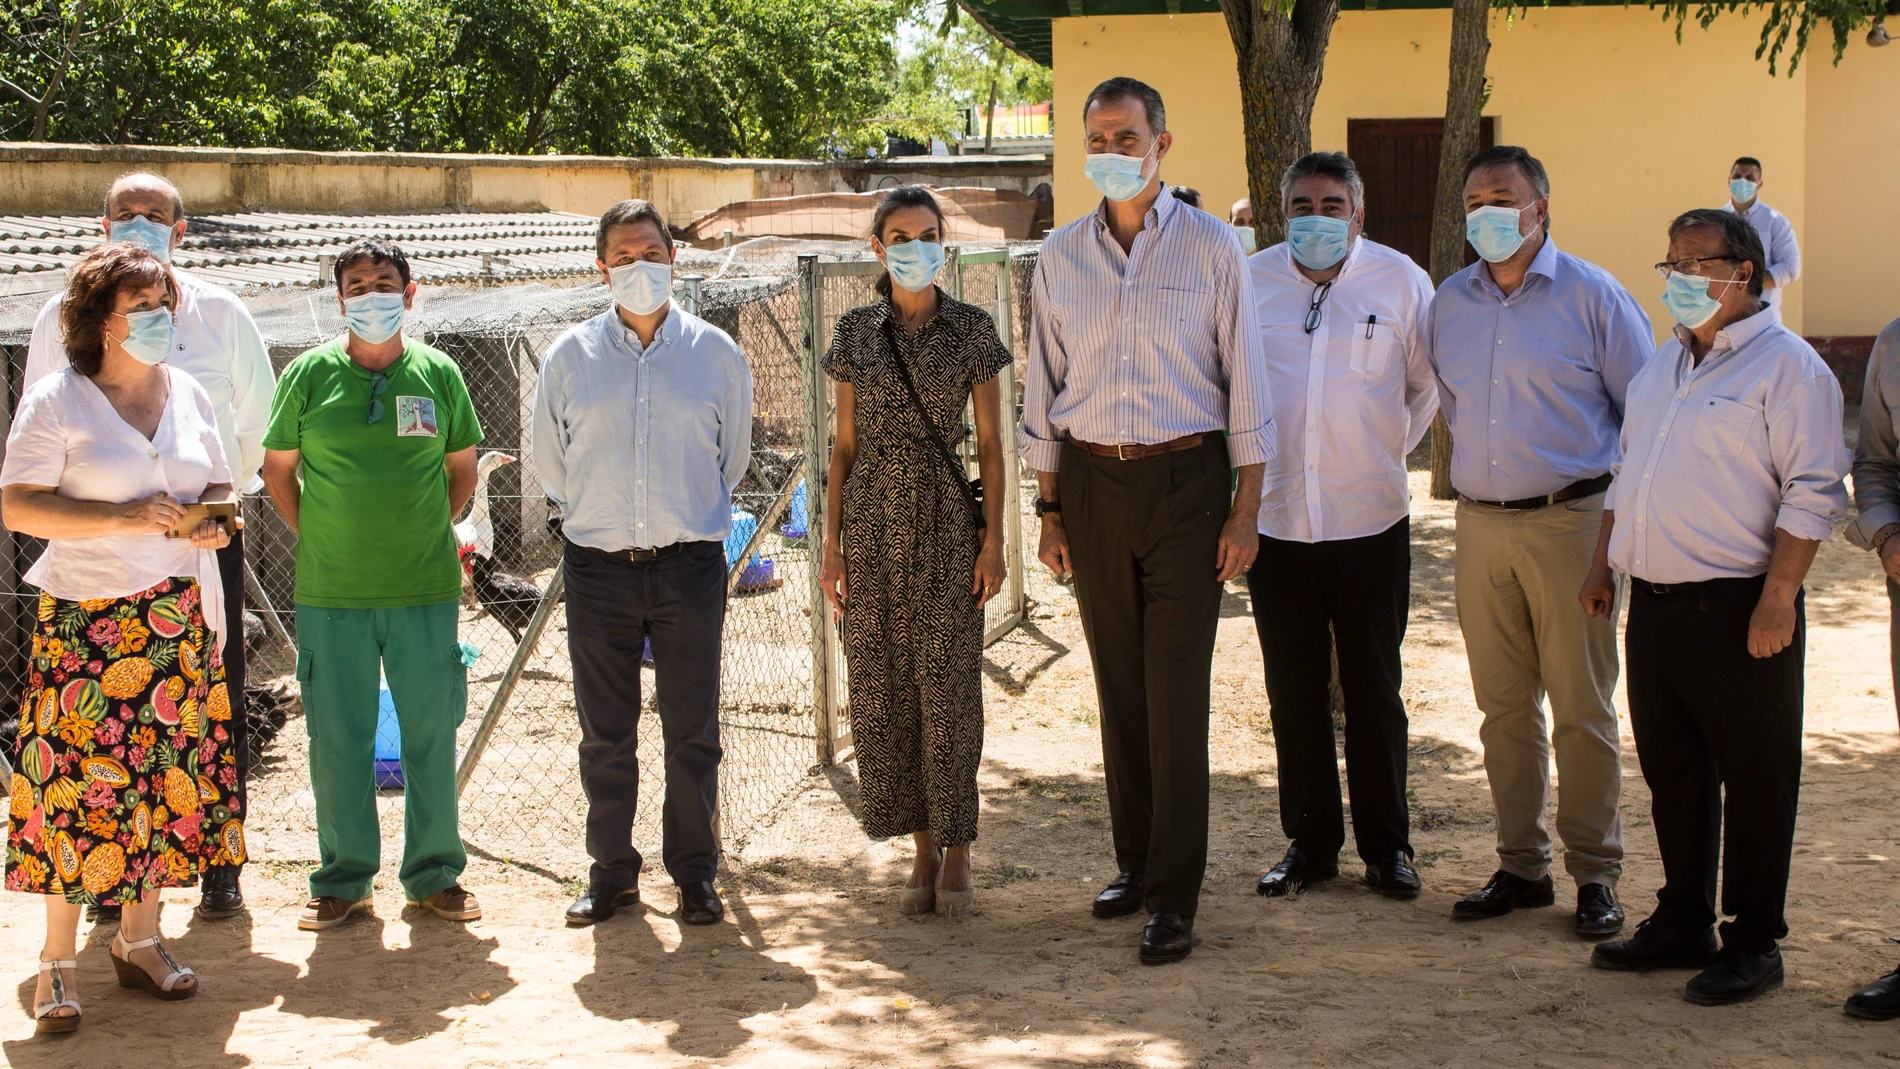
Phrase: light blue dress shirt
[1533,384]
[641,447]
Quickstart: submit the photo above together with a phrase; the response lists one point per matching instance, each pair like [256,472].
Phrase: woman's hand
[831,577]
[990,571]
[210,535]
[152,515]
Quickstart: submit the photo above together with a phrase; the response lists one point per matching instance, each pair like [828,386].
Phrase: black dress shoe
[221,897]
[699,903]
[1394,877]
[1167,937]
[1297,871]
[1737,976]
[1657,946]
[1503,894]
[600,903]
[1880,1002]
[1121,897]
[1597,910]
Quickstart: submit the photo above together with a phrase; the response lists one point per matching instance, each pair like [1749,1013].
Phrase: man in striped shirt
[1143,348]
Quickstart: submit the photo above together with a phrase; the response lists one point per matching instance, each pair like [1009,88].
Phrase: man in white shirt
[1342,319]
[1729,479]
[1776,232]
[216,343]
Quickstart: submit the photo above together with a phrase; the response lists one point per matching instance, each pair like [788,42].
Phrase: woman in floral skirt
[125,779]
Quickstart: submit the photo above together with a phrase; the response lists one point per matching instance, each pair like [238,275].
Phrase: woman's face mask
[149,340]
[914,265]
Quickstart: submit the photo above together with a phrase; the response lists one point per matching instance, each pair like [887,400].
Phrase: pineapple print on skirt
[126,775]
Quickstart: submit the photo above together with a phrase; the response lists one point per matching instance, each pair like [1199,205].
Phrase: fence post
[692,292]
[817,427]
[1012,499]
[498,701]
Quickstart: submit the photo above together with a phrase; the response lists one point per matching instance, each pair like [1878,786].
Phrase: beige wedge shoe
[912,901]
[954,903]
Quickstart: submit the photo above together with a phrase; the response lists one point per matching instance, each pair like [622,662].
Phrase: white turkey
[476,532]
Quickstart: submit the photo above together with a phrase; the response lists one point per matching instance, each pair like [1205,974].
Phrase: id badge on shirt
[415,417]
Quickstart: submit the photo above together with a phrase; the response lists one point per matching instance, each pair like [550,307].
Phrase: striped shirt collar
[1156,218]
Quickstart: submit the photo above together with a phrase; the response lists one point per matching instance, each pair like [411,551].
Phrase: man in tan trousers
[1534,349]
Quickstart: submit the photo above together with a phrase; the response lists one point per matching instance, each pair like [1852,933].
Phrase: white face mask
[641,287]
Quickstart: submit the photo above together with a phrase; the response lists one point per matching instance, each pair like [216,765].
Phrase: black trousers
[231,574]
[613,608]
[1719,736]
[1306,596]
[1893,638]
[1144,537]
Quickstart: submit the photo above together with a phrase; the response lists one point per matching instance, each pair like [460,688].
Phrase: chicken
[510,599]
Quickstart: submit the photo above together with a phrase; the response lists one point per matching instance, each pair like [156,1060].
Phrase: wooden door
[1398,159]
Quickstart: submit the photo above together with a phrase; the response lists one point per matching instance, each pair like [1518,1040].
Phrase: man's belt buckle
[1121,451]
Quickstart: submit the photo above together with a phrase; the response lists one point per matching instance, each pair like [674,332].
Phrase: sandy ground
[815,966]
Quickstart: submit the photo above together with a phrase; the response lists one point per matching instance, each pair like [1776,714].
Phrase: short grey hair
[627,213]
[1335,165]
[178,202]
[1127,89]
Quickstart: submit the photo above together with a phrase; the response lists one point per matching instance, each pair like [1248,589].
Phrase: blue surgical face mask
[1249,241]
[153,237]
[1119,177]
[1741,190]
[1492,231]
[914,264]
[641,287]
[1687,298]
[150,339]
[374,317]
[1318,241]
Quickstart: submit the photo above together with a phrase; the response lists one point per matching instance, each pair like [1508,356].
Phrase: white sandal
[132,976]
[46,1021]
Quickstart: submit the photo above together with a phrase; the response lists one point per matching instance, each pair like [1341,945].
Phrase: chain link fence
[783,716]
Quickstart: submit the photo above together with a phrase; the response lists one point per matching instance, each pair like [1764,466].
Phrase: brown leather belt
[1580,488]
[1140,452]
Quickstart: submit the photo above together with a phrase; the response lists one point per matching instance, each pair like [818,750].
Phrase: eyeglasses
[1313,310]
[1692,265]
[377,384]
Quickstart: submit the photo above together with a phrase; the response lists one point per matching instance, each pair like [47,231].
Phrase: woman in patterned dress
[905,561]
[125,779]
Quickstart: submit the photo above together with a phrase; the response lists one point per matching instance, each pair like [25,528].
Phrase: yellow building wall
[1851,247]
[1594,92]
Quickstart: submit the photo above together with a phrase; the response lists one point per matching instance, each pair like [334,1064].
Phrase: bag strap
[943,449]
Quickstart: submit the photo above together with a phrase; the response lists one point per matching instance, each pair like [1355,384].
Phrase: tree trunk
[989,118]
[1464,109]
[1281,53]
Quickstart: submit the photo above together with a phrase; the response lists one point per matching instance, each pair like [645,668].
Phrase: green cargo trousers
[339,655]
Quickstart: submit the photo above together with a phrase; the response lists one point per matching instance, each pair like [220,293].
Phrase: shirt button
[1494,423]
[152,453]
[1494,463]
[1494,382]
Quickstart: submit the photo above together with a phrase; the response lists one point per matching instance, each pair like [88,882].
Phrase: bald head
[1241,214]
[146,194]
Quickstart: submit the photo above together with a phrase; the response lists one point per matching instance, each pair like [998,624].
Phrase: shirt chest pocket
[1374,346]
[1184,314]
[1727,428]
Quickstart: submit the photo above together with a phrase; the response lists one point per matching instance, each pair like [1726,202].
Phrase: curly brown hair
[93,291]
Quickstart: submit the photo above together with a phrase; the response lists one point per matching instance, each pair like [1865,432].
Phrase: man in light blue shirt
[642,426]
[1774,229]
[1534,350]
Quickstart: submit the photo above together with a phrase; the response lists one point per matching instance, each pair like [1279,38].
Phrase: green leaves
[1781,21]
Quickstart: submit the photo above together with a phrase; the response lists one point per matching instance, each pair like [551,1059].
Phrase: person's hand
[1053,548]
[1598,594]
[831,577]
[152,515]
[1239,543]
[1771,628]
[210,535]
[990,571]
[1890,558]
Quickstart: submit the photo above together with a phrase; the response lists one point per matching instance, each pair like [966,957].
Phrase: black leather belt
[1662,589]
[635,555]
[1581,488]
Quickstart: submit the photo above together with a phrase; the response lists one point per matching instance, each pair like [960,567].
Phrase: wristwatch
[1045,507]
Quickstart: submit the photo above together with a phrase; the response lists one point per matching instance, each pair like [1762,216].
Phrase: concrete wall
[1596,93]
[40,179]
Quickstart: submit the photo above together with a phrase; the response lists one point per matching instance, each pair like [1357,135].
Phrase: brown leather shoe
[452,903]
[324,911]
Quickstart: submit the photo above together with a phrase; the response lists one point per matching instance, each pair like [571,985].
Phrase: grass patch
[1008,874]
[1042,788]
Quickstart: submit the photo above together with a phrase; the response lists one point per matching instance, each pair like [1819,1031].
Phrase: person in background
[642,427]
[1776,233]
[1240,217]
[1187,195]
[908,558]
[1877,499]
[217,344]
[1343,323]
[120,773]
[1728,481]
[1143,348]
[385,433]
[1534,350]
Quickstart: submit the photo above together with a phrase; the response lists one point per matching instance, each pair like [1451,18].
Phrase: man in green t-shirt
[386,436]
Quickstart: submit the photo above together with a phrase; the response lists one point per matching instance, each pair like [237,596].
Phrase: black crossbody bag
[972,488]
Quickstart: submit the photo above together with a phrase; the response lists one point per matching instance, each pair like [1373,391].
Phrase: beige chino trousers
[1517,574]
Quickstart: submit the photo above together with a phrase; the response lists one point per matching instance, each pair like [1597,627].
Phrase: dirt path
[816,967]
